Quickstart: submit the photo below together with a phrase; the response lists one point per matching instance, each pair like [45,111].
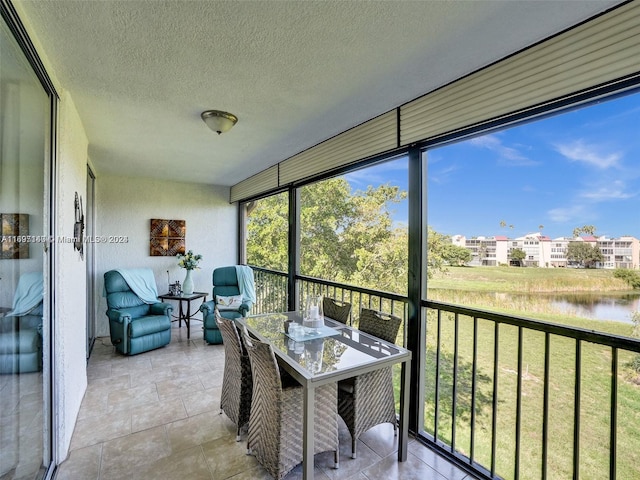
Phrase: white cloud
[508,155]
[579,151]
[442,175]
[615,191]
[380,174]
[566,214]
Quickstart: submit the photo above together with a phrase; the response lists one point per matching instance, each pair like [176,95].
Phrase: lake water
[617,308]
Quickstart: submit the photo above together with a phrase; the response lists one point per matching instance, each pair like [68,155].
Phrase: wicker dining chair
[336,309]
[237,383]
[275,426]
[367,400]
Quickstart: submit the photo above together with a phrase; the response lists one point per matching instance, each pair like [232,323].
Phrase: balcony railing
[506,396]
[271,295]
[271,291]
[519,398]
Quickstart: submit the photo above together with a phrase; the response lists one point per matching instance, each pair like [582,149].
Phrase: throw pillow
[232,302]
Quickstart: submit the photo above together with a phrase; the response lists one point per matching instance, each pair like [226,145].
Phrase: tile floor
[156,416]
[21,422]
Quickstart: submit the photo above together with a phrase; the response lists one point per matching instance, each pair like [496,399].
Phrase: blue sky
[577,168]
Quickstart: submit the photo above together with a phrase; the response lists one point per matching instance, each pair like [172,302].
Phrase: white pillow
[232,302]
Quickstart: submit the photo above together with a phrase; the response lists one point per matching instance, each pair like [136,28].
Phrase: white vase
[187,285]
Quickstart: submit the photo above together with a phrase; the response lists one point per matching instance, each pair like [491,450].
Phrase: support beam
[416,324]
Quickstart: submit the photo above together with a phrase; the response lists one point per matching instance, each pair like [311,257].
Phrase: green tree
[267,230]
[584,254]
[456,255]
[436,252]
[482,252]
[518,255]
[348,237]
[586,229]
[345,236]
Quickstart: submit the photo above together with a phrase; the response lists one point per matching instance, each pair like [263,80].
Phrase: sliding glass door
[25,370]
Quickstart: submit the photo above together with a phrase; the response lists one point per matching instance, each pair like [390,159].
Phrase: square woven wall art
[167,237]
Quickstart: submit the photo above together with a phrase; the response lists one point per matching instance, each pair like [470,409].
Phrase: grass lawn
[527,280]
[469,287]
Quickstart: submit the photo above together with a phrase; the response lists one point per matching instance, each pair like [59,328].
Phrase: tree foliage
[518,255]
[586,229]
[437,245]
[633,279]
[350,237]
[456,255]
[345,236]
[267,231]
[584,254]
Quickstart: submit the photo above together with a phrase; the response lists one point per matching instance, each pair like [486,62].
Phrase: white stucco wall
[70,281]
[125,207]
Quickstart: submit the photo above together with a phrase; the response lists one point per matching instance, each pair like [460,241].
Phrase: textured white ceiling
[294,72]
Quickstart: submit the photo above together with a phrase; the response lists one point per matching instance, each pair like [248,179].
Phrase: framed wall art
[15,230]
[167,237]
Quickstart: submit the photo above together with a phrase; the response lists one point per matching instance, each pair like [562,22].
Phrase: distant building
[623,252]
[542,251]
[485,251]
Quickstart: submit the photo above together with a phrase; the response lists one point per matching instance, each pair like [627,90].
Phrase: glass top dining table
[332,352]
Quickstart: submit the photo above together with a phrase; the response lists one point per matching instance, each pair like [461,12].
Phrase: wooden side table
[185,314]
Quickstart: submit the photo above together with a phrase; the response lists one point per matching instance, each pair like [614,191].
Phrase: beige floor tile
[381,439]
[167,357]
[180,386]
[131,453]
[129,398]
[104,385]
[122,366]
[93,404]
[349,466]
[198,430]
[436,462]
[212,378]
[157,413]
[149,376]
[186,370]
[188,464]
[100,429]
[227,458]
[83,463]
[205,401]
[199,346]
[390,469]
[98,370]
[322,469]
[256,473]
[139,362]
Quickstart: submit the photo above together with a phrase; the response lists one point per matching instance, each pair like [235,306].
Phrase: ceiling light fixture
[218,121]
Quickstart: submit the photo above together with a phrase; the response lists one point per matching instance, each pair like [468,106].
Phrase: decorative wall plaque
[78,226]
[15,232]
[167,237]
